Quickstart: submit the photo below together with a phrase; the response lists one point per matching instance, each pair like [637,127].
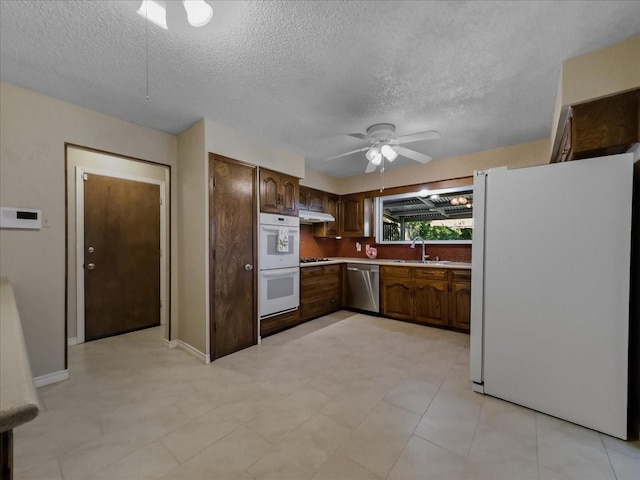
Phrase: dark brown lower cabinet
[275,324]
[430,302]
[320,290]
[397,298]
[460,304]
[425,295]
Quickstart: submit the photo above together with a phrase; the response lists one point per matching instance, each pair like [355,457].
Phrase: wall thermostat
[20,218]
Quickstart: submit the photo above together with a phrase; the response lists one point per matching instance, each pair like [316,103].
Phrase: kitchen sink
[425,261]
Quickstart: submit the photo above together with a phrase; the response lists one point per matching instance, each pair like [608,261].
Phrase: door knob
[91,249]
[248,266]
[91,266]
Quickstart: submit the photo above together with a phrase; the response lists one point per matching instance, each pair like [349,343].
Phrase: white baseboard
[193,351]
[72,341]
[171,343]
[50,378]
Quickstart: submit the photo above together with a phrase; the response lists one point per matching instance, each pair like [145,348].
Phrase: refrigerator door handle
[480,179]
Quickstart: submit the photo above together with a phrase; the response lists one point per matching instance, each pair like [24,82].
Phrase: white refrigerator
[550,289]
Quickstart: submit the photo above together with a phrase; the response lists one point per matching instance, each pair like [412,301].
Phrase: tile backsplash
[311,246]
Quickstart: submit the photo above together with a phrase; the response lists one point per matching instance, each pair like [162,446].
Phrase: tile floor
[342,397]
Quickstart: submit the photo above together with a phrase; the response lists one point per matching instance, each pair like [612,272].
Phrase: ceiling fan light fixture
[154,12]
[377,160]
[372,153]
[199,13]
[389,153]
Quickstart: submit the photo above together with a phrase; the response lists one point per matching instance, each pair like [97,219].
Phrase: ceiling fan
[384,145]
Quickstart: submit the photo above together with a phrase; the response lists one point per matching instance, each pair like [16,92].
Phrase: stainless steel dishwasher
[363,287]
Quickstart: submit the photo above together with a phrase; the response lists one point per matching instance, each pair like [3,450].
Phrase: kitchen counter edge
[387,262]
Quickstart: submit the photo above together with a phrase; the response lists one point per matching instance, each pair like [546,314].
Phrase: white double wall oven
[279,264]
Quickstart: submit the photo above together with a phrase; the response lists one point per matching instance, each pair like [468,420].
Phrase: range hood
[307,217]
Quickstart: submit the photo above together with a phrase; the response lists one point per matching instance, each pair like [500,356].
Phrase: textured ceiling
[303,74]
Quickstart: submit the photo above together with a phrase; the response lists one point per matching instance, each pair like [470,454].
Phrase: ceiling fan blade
[361,136]
[370,168]
[412,154]
[347,153]
[418,137]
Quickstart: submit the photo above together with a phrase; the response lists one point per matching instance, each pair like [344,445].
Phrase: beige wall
[315,179]
[33,132]
[612,69]
[514,156]
[192,237]
[232,144]
[77,157]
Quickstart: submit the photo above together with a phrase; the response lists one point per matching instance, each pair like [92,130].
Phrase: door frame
[212,244]
[164,256]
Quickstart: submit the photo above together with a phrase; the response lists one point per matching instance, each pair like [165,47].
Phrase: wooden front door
[232,224]
[121,256]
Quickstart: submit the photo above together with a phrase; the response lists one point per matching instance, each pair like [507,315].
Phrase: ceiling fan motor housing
[382,132]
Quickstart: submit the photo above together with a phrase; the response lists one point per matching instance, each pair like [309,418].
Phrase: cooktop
[313,259]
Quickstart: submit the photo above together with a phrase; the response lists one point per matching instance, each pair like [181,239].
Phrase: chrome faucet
[413,245]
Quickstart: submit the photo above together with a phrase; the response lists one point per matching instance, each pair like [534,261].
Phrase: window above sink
[438,216]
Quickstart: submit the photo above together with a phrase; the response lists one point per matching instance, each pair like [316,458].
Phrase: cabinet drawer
[404,272]
[321,305]
[332,269]
[317,286]
[306,272]
[461,275]
[279,322]
[431,273]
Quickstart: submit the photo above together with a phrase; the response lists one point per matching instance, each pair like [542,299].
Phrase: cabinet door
[430,302]
[352,215]
[315,200]
[397,298]
[289,191]
[269,191]
[461,305]
[302,198]
[332,206]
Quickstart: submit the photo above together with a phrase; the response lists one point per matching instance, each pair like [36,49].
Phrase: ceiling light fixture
[154,12]
[199,13]
[371,153]
[459,201]
[389,153]
[376,154]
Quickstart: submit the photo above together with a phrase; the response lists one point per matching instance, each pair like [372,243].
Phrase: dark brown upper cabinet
[279,193]
[605,126]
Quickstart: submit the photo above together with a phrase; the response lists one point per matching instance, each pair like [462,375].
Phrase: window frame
[440,191]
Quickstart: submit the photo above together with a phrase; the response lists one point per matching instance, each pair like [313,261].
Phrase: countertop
[390,262]
[18,398]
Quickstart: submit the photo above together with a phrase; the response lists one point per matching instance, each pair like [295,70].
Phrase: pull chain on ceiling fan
[384,145]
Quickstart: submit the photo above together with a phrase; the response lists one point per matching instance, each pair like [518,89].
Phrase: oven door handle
[281,272]
[277,229]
